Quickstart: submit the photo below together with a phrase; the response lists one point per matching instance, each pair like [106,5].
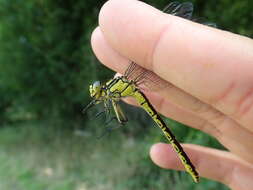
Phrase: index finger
[212,65]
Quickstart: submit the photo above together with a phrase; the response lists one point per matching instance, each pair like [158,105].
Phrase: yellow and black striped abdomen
[120,87]
[144,103]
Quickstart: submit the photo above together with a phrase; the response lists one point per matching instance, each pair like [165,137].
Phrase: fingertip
[211,163]
[95,38]
[156,148]
[99,46]
[163,155]
[108,12]
[124,25]
[105,53]
[105,12]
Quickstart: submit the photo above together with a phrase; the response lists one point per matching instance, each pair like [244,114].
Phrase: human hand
[210,73]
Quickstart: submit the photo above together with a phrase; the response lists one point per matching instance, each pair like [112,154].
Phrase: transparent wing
[134,72]
[144,78]
[211,24]
[141,76]
[183,10]
[202,21]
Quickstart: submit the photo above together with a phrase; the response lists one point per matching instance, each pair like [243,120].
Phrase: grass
[36,156]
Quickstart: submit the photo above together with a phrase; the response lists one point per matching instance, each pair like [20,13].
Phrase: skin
[209,73]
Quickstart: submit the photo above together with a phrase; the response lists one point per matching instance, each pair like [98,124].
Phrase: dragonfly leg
[99,113]
[108,130]
[110,120]
[121,123]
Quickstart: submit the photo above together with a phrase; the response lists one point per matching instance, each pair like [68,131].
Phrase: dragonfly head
[95,90]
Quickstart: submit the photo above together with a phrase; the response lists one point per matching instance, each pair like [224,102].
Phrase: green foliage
[232,15]
[46,58]
[56,159]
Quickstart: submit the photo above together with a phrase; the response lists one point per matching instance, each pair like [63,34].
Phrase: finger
[178,110]
[117,62]
[178,114]
[235,138]
[106,54]
[189,55]
[186,109]
[213,164]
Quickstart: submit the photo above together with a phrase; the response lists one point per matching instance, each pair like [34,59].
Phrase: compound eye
[96,85]
[95,89]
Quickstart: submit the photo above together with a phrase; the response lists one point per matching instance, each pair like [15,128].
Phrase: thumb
[214,164]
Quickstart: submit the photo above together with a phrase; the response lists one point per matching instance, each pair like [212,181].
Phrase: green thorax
[120,87]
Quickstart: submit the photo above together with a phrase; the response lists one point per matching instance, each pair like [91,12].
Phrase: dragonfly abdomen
[144,103]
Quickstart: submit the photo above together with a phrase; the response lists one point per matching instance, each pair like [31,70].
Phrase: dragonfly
[129,85]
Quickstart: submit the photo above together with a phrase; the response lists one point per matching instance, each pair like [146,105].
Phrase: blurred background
[46,66]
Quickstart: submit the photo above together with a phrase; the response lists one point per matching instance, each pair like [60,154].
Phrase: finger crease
[244,104]
[150,58]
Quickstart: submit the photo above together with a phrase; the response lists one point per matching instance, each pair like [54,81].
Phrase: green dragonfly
[128,85]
